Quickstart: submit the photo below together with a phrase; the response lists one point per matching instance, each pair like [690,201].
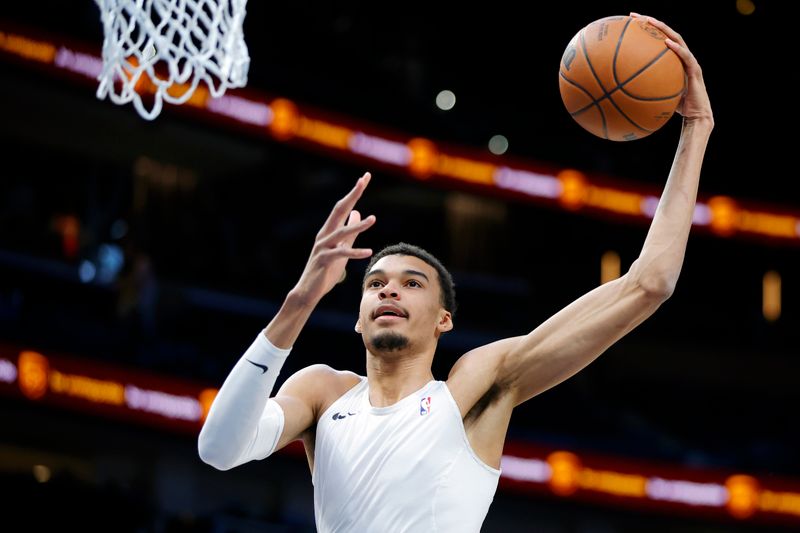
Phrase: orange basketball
[619,80]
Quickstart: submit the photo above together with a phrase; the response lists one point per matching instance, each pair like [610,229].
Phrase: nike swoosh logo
[338,416]
[263,368]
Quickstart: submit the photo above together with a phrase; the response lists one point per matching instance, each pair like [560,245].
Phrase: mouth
[388,312]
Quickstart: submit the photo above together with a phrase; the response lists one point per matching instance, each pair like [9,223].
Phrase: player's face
[402,296]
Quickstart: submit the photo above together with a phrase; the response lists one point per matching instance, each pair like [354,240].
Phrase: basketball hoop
[164,48]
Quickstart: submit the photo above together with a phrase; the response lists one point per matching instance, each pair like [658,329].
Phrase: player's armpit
[476,374]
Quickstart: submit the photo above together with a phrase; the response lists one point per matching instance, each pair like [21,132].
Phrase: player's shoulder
[324,371]
[325,377]
[322,385]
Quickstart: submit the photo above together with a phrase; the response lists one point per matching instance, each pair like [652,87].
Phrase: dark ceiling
[385,63]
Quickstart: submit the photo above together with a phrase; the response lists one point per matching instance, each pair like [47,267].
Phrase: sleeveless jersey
[407,467]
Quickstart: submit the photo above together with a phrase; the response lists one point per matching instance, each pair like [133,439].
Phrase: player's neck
[392,378]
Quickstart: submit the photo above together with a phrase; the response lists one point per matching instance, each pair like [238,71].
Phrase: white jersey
[404,468]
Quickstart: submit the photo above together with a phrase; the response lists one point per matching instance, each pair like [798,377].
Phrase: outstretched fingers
[346,235]
[678,45]
[671,34]
[345,252]
[341,211]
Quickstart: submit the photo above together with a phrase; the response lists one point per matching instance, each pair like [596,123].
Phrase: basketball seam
[594,102]
[605,93]
[621,86]
[616,53]
[614,74]
[632,96]
[597,79]
[626,117]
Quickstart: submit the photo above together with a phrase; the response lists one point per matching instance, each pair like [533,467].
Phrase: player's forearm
[660,261]
[243,424]
[286,326]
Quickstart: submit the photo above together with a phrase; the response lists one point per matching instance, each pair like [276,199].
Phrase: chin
[388,341]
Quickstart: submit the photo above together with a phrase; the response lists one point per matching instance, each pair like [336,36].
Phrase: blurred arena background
[139,259]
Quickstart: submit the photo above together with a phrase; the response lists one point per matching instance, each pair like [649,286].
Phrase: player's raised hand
[695,103]
[333,246]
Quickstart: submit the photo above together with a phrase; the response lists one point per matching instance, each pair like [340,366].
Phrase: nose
[389,291]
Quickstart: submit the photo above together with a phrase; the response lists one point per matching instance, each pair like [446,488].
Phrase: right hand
[694,105]
[333,246]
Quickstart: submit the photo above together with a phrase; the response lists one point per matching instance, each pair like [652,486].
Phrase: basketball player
[396,451]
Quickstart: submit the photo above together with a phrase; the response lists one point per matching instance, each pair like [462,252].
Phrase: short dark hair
[448,288]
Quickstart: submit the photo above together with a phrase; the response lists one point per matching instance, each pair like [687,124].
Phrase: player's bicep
[575,336]
[299,399]
[297,418]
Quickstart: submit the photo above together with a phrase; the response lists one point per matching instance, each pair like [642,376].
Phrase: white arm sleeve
[243,423]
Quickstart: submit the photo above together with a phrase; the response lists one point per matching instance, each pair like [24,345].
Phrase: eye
[413,283]
[374,284]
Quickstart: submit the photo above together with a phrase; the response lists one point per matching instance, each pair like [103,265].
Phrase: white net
[162,49]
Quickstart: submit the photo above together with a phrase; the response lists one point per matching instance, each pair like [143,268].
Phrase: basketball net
[162,49]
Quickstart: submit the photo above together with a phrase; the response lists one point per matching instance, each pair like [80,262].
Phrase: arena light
[163,403]
[380,149]
[687,492]
[771,296]
[635,483]
[135,396]
[27,48]
[446,100]
[8,371]
[241,109]
[745,7]
[324,133]
[498,144]
[465,169]
[574,188]
[530,183]
[769,224]
[86,65]
[609,266]
[86,388]
[615,483]
[42,473]
[614,200]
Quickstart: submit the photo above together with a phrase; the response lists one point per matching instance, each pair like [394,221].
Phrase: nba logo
[425,406]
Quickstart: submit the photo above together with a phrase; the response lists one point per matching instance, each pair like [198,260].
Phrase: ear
[445,321]
[358,326]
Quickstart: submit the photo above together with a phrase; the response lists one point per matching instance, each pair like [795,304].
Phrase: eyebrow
[408,272]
